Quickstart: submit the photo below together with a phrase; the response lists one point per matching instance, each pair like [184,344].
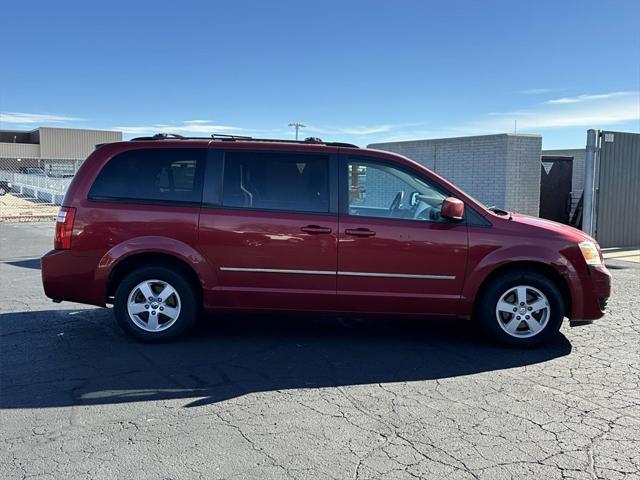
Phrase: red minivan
[163,227]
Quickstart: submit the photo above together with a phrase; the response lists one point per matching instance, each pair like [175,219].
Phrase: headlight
[591,253]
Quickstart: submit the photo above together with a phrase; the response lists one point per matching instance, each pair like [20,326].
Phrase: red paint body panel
[402,247]
[208,239]
[237,239]
[66,276]
[528,239]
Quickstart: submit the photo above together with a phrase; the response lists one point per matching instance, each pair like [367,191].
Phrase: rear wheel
[155,304]
[521,309]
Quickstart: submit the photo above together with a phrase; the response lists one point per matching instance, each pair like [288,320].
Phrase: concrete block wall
[502,170]
[523,174]
[380,189]
[577,175]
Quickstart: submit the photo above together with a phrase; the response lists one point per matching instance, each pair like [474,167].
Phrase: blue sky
[350,70]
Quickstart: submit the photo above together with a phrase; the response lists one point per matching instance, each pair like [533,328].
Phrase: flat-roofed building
[58,151]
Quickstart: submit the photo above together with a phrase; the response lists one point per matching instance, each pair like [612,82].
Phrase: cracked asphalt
[307,397]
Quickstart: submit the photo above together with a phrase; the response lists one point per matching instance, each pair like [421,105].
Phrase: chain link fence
[33,189]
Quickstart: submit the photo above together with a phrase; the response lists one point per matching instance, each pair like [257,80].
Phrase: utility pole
[297,126]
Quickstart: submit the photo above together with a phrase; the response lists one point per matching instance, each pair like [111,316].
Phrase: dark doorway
[555,188]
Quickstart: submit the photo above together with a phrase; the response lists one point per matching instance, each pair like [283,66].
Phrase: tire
[157,321]
[521,309]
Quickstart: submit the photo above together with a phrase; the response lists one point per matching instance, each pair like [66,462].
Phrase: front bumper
[595,290]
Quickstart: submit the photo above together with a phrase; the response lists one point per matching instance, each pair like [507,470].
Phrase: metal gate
[618,195]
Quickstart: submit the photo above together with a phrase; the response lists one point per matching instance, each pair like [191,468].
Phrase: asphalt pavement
[297,397]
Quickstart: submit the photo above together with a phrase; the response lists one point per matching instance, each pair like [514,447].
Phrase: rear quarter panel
[105,232]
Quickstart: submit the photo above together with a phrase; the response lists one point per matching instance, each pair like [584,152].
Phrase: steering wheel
[397,202]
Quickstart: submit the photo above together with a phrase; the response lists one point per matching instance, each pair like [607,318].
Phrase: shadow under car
[59,358]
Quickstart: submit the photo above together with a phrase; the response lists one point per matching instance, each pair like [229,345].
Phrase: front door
[555,188]
[396,254]
[273,236]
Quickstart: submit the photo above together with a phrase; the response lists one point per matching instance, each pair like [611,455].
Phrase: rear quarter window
[152,176]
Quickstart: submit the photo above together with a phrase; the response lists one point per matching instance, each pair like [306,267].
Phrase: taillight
[64,228]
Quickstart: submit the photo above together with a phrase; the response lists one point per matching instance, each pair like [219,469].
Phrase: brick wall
[502,170]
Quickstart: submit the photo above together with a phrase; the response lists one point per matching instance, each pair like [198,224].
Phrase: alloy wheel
[154,305]
[523,311]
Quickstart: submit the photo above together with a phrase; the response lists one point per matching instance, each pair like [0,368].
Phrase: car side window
[378,189]
[276,181]
[153,175]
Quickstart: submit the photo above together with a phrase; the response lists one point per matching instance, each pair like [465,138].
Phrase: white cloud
[352,130]
[185,127]
[513,113]
[405,136]
[355,130]
[588,111]
[537,91]
[35,118]
[581,111]
[588,98]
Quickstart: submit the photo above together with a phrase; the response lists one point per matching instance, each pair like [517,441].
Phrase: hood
[556,228]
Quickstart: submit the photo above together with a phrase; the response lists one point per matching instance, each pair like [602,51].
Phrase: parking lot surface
[298,397]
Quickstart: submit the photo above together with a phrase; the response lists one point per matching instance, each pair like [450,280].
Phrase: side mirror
[452,208]
[413,199]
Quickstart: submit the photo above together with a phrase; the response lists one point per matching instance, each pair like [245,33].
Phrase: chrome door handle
[315,229]
[360,232]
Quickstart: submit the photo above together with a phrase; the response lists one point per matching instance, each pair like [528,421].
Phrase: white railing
[47,189]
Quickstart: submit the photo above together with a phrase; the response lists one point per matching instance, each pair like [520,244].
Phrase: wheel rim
[153,305]
[523,311]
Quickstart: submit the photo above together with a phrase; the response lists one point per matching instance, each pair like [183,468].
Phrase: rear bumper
[590,301]
[70,277]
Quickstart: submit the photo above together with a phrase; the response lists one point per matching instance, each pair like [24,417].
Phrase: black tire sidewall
[493,292]
[188,305]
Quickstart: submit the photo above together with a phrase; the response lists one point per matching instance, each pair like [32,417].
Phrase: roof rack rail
[161,136]
[222,136]
[233,138]
[306,141]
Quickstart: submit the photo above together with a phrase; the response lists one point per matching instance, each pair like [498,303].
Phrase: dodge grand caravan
[164,227]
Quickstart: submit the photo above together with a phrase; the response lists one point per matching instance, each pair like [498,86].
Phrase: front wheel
[521,309]
[155,304]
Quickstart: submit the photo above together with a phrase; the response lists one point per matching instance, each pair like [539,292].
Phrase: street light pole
[297,126]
